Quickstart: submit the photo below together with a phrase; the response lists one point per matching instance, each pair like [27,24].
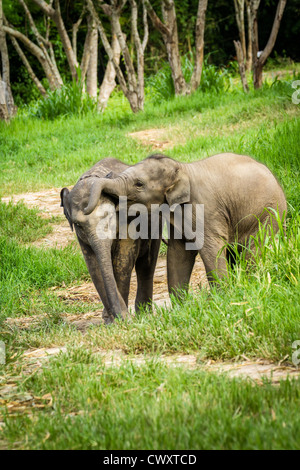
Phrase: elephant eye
[139,184]
[77,225]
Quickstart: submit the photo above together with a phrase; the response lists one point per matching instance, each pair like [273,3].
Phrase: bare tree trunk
[249,59]
[43,45]
[7,101]
[92,71]
[241,62]
[133,88]
[85,59]
[169,32]
[109,80]
[257,74]
[55,15]
[199,40]
[239,6]
[4,115]
[172,46]
[140,49]
[259,61]
[75,29]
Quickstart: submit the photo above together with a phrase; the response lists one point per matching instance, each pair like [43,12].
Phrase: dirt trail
[159,139]
[257,371]
[48,201]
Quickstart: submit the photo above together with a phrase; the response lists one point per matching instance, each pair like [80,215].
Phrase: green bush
[161,87]
[69,100]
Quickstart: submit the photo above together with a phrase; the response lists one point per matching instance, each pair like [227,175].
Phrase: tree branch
[28,66]
[274,33]
[157,23]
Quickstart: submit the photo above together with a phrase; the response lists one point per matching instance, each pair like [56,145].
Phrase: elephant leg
[180,263]
[145,268]
[214,258]
[124,256]
[93,268]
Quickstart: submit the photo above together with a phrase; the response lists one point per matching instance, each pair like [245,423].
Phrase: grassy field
[83,403]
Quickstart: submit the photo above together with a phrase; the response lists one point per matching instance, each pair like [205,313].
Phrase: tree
[260,57]
[7,108]
[133,87]
[41,47]
[169,31]
[246,49]
[55,15]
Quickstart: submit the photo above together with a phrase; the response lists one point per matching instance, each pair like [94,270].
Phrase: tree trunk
[249,59]
[7,101]
[257,74]
[55,15]
[130,87]
[241,62]
[92,71]
[44,44]
[4,116]
[199,40]
[239,6]
[109,80]
[260,60]
[169,32]
[172,46]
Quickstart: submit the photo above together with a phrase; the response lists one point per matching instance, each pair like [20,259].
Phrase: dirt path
[256,370]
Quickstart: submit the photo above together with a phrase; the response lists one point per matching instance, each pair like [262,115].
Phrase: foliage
[69,100]
[214,79]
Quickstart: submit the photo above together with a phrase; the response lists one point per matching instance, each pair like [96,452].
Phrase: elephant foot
[108,318]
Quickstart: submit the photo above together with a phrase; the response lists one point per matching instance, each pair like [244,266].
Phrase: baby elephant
[235,191]
[110,260]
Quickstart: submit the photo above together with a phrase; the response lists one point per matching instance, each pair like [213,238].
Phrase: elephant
[236,192]
[110,260]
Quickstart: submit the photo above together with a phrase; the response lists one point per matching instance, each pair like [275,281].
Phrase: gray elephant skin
[110,261]
[235,190]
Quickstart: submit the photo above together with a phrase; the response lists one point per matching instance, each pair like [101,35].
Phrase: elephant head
[155,180]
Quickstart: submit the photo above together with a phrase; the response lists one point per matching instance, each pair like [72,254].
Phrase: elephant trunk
[111,300]
[115,187]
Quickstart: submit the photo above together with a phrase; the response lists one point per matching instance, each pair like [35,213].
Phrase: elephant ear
[180,191]
[65,203]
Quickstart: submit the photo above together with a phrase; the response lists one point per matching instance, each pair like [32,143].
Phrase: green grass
[38,154]
[153,407]
[254,314]
[22,224]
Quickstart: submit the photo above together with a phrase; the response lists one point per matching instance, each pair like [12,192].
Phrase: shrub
[160,86]
[70,99]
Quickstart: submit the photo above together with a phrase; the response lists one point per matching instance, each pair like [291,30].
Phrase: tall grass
[69,100]
[214,79]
